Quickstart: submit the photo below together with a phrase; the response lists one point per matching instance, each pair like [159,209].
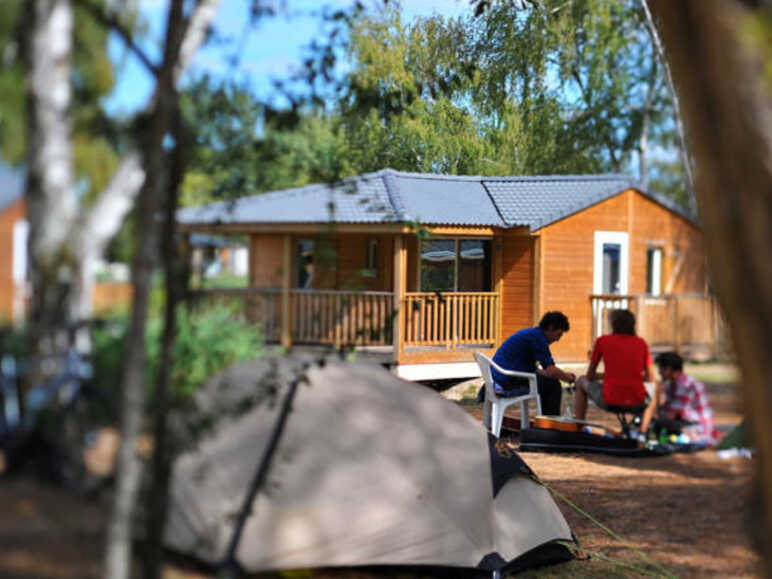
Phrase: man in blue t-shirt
[521,352]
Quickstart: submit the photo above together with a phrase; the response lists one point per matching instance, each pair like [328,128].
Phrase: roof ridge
[593,177]
[434,176]
[493,202]
[395,198]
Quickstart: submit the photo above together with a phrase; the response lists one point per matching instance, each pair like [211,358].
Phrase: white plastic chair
[498,404]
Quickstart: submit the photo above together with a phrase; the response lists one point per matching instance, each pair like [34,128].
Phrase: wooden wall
[265,260]
[8,217]
[568,252]
[683,256]
[352,259]
[517,285]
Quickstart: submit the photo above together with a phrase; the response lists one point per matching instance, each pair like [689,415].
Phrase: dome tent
[368,470]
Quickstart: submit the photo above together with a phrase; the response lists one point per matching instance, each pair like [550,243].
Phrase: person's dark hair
[623,322]
[555,321]
[670,360]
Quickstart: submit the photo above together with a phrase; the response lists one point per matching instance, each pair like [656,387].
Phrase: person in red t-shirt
[627,364]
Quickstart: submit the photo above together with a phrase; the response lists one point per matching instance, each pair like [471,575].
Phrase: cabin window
[448,265]
[612,255]
[474,265]
[371,258]
[610,263]
[304,264]
[654,271]
[438,265]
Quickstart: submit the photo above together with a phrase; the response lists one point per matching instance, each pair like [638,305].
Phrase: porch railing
[341,317]
[316,316]
[663,321]
[446,320]
[450,319]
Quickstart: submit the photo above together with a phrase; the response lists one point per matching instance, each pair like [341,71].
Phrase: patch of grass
[713,372]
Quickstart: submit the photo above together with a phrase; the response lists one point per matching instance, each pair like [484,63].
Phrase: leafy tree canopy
[538,88]
[95,136]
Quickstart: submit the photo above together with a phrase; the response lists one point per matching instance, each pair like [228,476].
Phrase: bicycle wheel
[81,426]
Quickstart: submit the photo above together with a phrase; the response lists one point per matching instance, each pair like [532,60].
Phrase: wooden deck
[444,330]
[688,323]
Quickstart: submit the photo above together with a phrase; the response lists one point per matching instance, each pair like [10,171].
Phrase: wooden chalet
[14,282]
[426,269]
[13,246]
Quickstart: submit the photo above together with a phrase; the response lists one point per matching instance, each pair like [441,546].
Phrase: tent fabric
[369,470]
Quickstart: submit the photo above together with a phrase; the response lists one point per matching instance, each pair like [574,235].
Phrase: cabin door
[610,273]
[610,268]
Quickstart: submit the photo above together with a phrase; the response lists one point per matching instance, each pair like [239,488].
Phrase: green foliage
[738,437]
[550,87]
[94,134]
[239,151]
[208,341]
[226,280]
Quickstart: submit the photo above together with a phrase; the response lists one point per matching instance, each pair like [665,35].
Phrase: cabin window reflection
[438,265]
[611,258]
[448,265]
[474,265]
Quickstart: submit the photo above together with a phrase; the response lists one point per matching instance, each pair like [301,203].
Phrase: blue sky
[272,50]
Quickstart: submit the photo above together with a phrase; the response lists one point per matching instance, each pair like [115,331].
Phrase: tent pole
[229,567]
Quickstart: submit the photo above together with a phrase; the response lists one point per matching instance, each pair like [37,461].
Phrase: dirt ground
[683,515]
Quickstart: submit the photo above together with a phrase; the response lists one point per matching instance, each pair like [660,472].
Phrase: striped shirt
[687,398]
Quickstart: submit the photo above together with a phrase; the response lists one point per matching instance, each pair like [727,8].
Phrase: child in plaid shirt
[685,398]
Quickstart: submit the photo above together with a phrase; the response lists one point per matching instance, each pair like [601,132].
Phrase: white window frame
[656,269]
[620,238]
[20,236]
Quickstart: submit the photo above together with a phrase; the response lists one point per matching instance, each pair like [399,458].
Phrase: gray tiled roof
[360,200]
[539,201]
[11,186]
[390,195]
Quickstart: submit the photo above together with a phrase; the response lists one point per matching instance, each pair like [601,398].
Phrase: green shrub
[208,341]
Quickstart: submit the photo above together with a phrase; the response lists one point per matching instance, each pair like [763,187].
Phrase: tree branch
[587,101]
[655,39]
[113,204]
[196,29]
[112,22]
[116,200]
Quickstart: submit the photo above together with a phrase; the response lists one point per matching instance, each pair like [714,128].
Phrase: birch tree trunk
[175,282]
[720,62]
[51,204]
[65,241]
[183,37]
[118,551]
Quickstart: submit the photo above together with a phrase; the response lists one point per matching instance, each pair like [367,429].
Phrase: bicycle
[62,420]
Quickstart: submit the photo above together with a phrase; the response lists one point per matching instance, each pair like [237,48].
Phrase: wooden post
[676,336]
[539,247]
[498,287]
[641,314]
[400,285]
[286,320]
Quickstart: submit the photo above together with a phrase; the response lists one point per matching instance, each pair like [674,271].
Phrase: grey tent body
[369,470]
